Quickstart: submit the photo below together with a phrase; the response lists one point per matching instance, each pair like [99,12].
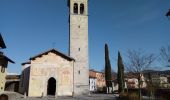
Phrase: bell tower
[78,44]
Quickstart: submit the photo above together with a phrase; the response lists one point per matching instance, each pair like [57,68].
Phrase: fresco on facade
[66,77]
[43,71]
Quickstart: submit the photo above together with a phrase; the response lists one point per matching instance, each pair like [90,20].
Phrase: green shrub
[129,96]
[133,96]
[123,96]
[164,97]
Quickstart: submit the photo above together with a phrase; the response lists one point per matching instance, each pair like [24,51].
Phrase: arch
[51,87]
[81,8]
[75,8]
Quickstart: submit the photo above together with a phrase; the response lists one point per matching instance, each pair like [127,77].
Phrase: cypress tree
[107,68]
[120,76]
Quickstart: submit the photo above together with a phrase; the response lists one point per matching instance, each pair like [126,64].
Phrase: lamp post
[168,14]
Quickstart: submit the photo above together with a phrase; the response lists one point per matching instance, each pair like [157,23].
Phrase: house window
[79,72]
[81,8]
[75,8]
[2,69]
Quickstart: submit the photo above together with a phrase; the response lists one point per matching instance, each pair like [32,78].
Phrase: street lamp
[168,14]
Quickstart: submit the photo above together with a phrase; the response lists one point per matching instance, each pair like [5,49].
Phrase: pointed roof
[54,51]
[6,58]
[28,62]
[2,43]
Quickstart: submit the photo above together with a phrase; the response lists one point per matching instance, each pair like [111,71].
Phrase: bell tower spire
[78,44]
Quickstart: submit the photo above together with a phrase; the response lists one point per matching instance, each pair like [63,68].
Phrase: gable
[55,52]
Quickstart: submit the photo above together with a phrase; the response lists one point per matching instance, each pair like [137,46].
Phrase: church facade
[50,73]
[54,73]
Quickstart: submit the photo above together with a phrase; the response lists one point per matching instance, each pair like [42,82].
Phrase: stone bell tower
[78,44]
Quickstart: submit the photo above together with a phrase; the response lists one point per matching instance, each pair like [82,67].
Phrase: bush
[133,96]
[129,96]
[164,97]
[123,96]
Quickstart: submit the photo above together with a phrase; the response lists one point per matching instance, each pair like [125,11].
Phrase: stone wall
[24,80]
[3,71]
[79,47]
[47,66]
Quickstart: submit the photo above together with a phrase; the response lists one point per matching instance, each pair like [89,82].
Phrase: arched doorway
[51,87]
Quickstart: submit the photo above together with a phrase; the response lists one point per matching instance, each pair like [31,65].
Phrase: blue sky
[30,27]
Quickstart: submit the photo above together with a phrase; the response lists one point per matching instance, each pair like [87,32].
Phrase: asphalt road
[17,96]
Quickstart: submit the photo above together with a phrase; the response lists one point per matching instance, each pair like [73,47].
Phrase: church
[54,73]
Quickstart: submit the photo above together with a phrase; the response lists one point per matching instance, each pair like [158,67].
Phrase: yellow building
[3,65]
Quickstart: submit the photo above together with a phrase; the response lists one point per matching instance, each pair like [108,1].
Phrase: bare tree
[168,14]
[112,71]
[138,61]
[165,55]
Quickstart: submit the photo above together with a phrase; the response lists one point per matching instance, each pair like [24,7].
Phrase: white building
[132,81]
[160,80]
[92,84]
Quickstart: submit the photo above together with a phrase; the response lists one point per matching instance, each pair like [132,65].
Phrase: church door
[51,87]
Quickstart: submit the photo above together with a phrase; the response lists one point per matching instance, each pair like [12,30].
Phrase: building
[92,84]
[3,65]
[164,81]
[160,80]
[54,73]
[48,73]
[78,45]
[101,83]
[25,75]
[99,78]
[115,85]
[132,81]
[92,81]
[12,82]
[97,81]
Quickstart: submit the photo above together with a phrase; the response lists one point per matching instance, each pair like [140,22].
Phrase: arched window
[75,8]
[81,8]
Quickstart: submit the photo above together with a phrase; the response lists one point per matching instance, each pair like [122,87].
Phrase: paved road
[17,96]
